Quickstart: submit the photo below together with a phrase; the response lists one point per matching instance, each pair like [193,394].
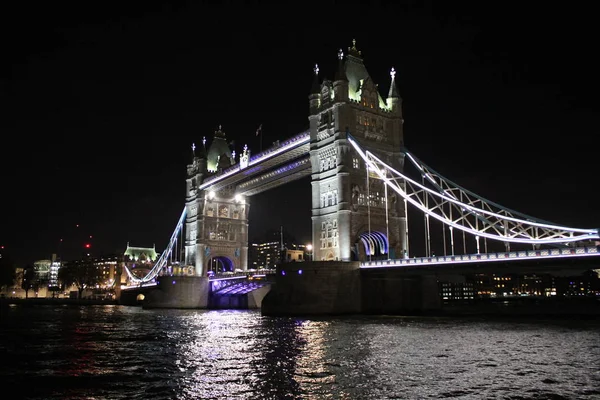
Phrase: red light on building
[87,245]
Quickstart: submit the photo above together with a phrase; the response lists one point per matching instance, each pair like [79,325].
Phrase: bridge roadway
[224,279]
[284,162]
[577,259]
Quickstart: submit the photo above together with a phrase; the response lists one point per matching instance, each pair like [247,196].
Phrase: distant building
[139,261]
[264,255]
[140,254]
[55,265]
[42,271]
[457,288]
[46,274]
[105,267]
[293,255]
[267,255]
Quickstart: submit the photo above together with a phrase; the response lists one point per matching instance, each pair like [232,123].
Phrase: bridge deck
[486,257]
[286,161]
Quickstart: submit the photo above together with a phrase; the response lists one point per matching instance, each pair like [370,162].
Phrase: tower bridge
[355,155]
[251,175]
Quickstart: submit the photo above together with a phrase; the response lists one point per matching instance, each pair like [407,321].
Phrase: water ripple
[115,352]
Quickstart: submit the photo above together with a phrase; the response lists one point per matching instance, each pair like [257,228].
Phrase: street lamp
[309,249]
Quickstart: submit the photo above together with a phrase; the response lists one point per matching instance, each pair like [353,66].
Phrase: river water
[118,352]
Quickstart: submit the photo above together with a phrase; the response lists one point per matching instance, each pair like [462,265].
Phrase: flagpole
[259,133]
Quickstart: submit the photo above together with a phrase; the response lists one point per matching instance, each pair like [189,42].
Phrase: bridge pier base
[337,288]
[400,294]
[179,292]
[314,288]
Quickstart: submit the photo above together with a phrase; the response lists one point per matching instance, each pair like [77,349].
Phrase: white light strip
[129,287]
[415,163]
[163,257]
[302,140]
[228,278]
[472,258]
[421,165]
[591,233]
[487,212]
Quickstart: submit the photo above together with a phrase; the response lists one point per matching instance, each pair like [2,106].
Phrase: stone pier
[179,292]
[336,288]
[399,294]
[312,288]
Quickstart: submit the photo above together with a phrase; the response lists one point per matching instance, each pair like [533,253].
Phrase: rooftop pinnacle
[393,93]
[353,50]
[316,87]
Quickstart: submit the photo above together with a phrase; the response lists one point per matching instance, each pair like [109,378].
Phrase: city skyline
[102,112]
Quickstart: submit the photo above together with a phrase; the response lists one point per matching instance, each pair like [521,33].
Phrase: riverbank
[525,308]
[57,301]
[584,308]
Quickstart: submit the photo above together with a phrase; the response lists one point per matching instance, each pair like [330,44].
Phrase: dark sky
[101,102]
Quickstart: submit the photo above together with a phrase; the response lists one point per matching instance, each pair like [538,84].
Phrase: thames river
[118,352]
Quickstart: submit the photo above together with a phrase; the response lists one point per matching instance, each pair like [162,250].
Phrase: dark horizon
[103,102]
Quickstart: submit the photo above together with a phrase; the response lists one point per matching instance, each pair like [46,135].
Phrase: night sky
[102,101]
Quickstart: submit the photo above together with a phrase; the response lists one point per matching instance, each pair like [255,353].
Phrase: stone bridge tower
[349,218]
[216,226]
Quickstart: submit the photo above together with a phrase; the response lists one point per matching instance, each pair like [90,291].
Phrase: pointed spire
[220,133]
[393,93]
[353,51]
[340,74]
[201,149]
[316,87]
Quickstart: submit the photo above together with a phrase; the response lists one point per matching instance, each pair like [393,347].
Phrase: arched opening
[220,264]
[375,244]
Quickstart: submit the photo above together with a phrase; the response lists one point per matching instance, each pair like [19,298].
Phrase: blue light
[299,272]
[173,282]
[282,272]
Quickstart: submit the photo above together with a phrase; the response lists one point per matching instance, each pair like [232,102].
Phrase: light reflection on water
[115,352]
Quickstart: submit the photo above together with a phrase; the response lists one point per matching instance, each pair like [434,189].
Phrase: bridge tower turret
[340,84]
[196,172]
[394,102]
[315,92]
[349,216]
[217,218]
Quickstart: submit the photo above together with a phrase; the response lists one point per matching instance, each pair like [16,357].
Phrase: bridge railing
[290,143]
[483,257]
[298,138]
[241,274]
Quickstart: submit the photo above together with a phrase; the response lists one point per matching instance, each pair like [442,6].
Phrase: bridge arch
[372,244]
[220,264]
